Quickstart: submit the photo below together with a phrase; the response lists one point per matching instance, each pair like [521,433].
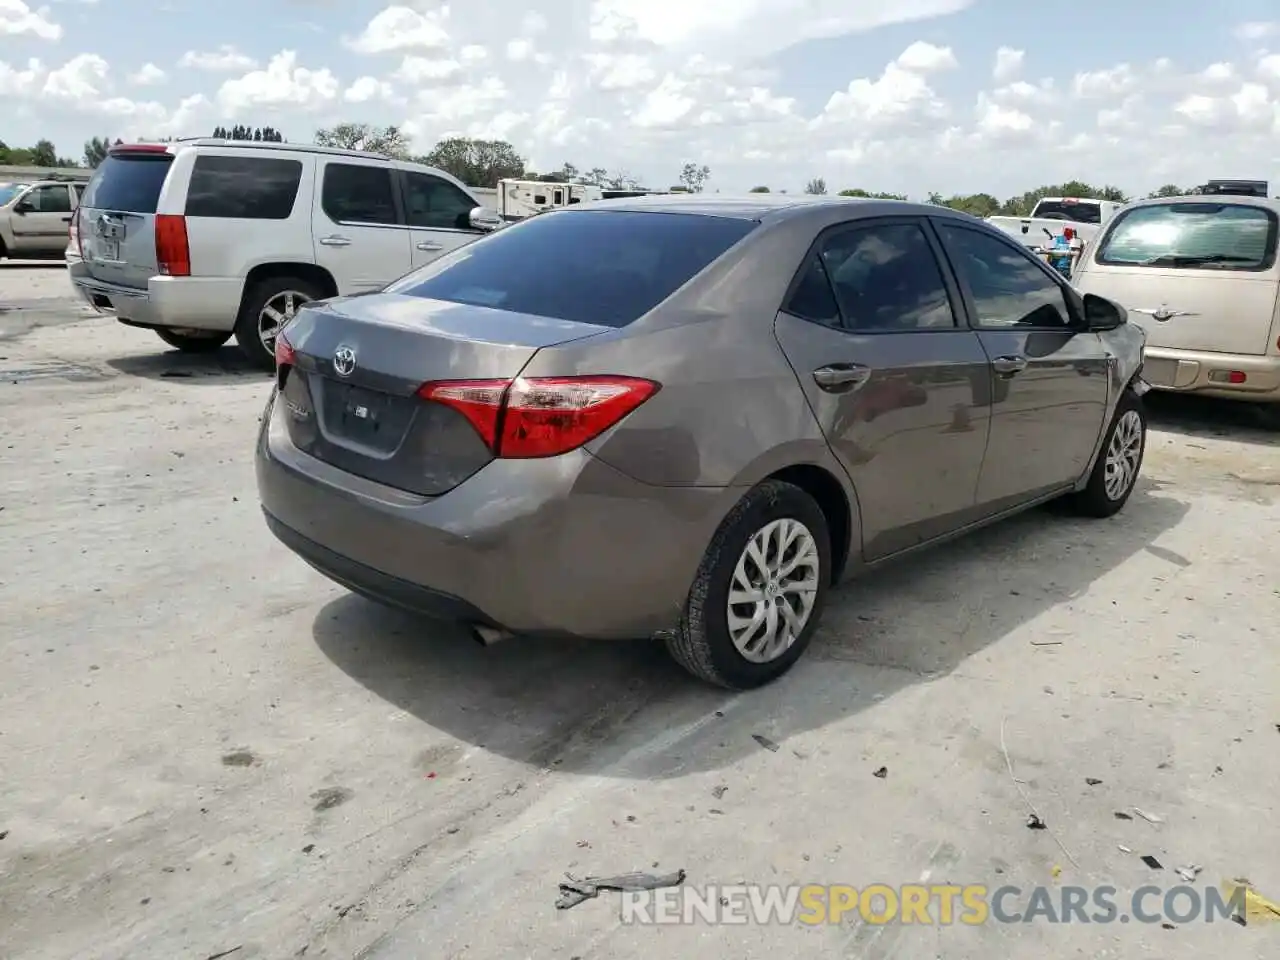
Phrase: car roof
[1244,200]
[767,206]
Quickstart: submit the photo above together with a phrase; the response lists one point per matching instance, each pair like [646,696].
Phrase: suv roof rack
[282,145]
[1238,188]
[68,177]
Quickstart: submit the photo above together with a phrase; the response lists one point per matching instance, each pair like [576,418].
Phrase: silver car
[689,417]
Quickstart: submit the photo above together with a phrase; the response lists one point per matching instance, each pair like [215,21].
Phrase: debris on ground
[719,791]
[1149,817]
[1122,848]
[225,953]
[1256,906]
[1092,781]
[1046,643]
[574,890]
[1035,823]
[1189,873]
[1152,862]
[765,742]
[1121,815]
[881,773]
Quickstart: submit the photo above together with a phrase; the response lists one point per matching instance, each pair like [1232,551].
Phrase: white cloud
[368,88]
[1257,30]
[147,75]
[1008,63]
[81,78]
[226,59]
[19,83]
[1101,84]
[17,19]
[721,27]
[402,28]
[924,57]
[281,84]
[425,71]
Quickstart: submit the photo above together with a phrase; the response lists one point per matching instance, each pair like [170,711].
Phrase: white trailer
[518,199]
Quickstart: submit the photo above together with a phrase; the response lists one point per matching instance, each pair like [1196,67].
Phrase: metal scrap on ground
[574,890]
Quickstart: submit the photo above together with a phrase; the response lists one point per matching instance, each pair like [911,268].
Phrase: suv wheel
[268,306]
[200,341]
[759,592]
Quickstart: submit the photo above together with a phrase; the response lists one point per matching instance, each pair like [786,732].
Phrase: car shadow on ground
[580,706]
[1204,417]
[165,364]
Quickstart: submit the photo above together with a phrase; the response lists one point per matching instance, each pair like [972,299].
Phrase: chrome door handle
[430,245]
[839,377]
[1009,365]
[335,241]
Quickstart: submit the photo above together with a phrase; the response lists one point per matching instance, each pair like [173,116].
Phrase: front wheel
[194,342]
[759,592]
[1116,472]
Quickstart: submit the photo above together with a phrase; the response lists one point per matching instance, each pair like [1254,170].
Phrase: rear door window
[128,182]
[602,267]
[1203,236]
[358,193]
[243,188]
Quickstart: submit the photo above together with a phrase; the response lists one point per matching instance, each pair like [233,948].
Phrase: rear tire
[704,643]
[192,342]
[265,298]
[1119,463]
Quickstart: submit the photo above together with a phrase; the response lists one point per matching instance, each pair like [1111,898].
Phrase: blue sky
[884,95]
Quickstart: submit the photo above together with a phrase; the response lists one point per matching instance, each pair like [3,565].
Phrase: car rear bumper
[564,546]
[1209,374]
[196,303]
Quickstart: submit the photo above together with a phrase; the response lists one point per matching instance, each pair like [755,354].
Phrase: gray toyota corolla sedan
[687,417]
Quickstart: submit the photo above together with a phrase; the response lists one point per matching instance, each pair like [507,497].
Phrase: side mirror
[23,207]
[484,219]
[1103,314]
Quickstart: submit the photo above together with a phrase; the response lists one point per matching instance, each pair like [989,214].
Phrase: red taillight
[541,416]
[285,357]
[173,256]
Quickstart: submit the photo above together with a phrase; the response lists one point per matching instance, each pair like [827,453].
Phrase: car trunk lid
[352,395]
[116,216]
[1215,311]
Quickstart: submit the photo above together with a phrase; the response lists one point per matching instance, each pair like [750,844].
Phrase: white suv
[200,239]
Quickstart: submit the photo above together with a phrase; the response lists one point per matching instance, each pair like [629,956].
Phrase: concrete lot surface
[207,747]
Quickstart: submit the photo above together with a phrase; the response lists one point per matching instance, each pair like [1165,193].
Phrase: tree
[871,196]
[364,136]
[1168,190]
[695,177]
[95,151]
[817,186]
[759,190]
[477,163]
[44,154]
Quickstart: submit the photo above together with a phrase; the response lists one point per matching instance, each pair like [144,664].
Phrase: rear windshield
[607,267]
[1215,236]
[129,183]
[1072,210]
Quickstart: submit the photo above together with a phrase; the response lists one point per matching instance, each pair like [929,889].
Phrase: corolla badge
[344,361]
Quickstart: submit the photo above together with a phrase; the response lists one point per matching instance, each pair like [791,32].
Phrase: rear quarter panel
[230,248]
[730,405]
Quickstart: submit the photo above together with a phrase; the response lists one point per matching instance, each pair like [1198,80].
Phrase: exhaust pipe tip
[487,636]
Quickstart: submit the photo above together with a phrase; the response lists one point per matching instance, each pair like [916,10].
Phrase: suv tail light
[173,255]
[540,416]
[73,234]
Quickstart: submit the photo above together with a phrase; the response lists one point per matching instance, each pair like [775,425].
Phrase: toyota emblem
[344,361]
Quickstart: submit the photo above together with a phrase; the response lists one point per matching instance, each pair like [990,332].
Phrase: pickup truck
[1048,218]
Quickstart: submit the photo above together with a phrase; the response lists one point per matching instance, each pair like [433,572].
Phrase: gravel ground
[206,747]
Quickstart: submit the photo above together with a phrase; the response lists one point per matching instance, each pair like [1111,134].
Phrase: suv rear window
[243,188]
[1069,210]
[128,182]
[606,267]
[1216,236]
